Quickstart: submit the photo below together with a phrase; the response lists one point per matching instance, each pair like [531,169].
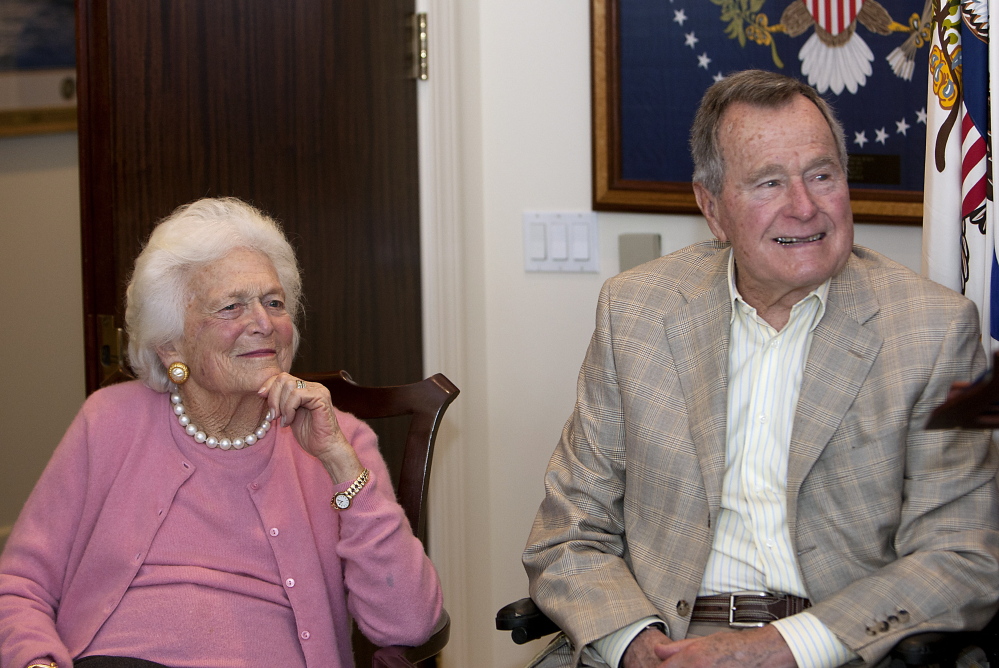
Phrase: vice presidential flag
[959,239]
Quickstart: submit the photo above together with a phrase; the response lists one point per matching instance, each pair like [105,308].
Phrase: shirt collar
[821,293]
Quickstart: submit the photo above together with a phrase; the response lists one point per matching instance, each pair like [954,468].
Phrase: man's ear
[708,204]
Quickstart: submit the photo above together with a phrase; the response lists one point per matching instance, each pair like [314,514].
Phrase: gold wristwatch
[341,501]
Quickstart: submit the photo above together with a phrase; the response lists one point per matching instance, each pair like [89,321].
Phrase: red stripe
[973,195]
[834,16]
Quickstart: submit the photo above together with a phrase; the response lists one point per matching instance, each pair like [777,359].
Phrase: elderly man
[749,419]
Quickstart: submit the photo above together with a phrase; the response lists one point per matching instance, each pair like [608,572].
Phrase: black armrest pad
[921,649]
[525,620]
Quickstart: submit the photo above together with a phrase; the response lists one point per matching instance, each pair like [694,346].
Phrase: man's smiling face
[784,203]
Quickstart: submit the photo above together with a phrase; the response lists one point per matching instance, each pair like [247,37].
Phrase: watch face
[342,501]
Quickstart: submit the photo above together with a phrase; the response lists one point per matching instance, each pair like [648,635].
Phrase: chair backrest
[425,402]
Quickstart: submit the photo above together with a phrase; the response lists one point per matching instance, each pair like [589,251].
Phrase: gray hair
[191,237]
[758,88]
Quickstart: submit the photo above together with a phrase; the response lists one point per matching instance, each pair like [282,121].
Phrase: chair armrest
[398,656]
[923,649]
[525,620]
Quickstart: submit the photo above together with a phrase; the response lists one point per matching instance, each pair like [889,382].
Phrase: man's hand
[641,652]
[754,648]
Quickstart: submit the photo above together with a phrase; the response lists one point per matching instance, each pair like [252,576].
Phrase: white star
[921,116]
[703,60]
[902,127]
[718,77]
[882,137]
[691,40]
[860,138]
[679,16]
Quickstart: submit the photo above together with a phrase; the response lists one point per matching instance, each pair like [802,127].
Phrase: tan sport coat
[895,528]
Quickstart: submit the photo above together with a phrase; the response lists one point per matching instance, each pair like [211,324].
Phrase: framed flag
[652,60]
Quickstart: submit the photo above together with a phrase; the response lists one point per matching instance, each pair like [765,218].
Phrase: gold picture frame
[37,67]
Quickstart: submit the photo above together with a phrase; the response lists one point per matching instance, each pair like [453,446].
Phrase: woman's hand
[309,411]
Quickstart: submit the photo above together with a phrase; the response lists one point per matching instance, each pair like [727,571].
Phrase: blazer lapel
[698,337]
[842,353]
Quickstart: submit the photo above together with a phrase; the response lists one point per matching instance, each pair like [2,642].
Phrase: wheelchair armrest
[923,649]
[939,648]
[525,621]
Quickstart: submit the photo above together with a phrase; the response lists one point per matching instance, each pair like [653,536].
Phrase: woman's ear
[168,354]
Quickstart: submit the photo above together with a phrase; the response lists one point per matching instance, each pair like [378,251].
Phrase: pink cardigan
[86,527]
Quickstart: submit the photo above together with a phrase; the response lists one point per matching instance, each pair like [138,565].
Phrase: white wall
[526,146]
[41,330]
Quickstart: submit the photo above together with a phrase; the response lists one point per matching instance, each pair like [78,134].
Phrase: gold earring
[178,372]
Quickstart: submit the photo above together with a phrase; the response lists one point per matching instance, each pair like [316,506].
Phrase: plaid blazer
[895,527]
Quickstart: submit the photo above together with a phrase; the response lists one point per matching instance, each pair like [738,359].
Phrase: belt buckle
[731,610]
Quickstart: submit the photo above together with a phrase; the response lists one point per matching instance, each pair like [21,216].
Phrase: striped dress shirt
[752,548]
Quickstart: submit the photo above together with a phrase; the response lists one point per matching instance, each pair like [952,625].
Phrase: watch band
[342,500]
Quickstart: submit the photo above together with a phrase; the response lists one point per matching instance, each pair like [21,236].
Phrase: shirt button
[254,485]
[763,419]
[275,531]
[305,635]
[290,582]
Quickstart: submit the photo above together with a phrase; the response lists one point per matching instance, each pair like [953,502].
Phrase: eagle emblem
[835,57]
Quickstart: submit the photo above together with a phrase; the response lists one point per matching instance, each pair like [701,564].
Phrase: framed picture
[37,67]
[652,60]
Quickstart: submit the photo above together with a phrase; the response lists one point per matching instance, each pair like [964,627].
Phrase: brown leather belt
[747,609]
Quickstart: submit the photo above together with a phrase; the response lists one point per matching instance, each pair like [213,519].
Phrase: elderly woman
[186,518]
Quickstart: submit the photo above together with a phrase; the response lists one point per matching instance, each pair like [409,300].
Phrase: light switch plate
[636,249]
[561,242]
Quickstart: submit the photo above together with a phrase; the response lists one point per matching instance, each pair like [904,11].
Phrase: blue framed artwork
[653,60]
[37,66]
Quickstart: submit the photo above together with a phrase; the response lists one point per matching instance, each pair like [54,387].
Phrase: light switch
[536,241]
[580,241]
[558,241]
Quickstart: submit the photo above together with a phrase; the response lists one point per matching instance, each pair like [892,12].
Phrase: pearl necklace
[212,442]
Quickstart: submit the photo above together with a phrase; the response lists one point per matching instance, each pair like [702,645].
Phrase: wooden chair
[425,402]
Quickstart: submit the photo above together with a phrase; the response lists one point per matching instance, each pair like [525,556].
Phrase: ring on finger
[300,384]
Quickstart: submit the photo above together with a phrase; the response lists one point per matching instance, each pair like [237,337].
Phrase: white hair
[191,237]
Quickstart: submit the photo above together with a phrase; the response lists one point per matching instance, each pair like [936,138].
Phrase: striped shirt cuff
[612,646]
[812,643]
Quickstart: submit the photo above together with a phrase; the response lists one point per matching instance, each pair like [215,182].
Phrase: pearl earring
[178,373]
